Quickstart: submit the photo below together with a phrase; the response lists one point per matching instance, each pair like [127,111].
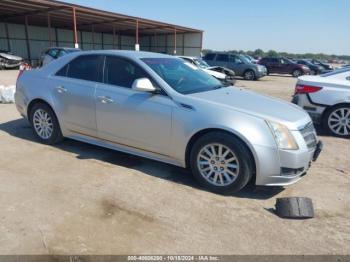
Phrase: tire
[249,75]
[336,121]
[313,72]
[224,184]
[295,207]
[297,73]
[43,118]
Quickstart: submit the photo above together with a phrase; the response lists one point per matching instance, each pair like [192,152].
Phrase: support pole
[93,37]
[56,36]
[81,40]
[7,37]
[27,38]
[137,45]
[174,41]
[183,43]
[76,45]
[119,41]
[49,28]
[113,41]
[102,41]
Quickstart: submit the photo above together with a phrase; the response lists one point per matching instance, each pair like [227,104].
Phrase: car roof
[127,53]
[190,57]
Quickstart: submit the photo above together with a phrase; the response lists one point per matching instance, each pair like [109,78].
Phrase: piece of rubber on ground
[295,207]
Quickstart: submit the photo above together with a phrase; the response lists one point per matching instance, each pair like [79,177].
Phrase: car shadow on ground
[21,129]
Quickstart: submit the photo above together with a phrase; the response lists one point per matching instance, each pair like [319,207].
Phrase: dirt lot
[80,199]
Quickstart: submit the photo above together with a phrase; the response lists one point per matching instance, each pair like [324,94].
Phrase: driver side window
[121,72]
[235,60]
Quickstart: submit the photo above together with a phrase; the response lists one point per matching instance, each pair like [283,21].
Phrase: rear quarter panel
[331,93]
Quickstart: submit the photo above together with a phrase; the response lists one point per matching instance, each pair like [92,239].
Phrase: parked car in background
[327,99]
[238,63]
[324,65]
[53,53]
[221,76]
[281,65]
[156,106]
[314,69]
[345,66]
[9,61]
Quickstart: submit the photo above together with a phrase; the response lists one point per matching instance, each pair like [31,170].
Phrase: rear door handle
[61,89]
[105,99]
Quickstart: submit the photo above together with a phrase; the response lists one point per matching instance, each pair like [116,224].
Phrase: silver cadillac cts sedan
[160,107]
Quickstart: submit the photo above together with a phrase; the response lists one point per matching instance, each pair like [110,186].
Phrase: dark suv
[238,63]
[281,65]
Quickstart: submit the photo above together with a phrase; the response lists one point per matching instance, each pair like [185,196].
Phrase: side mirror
[143,85]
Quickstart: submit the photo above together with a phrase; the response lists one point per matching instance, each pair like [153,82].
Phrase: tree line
[258,53]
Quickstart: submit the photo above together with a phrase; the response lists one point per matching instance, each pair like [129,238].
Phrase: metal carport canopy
[76,17]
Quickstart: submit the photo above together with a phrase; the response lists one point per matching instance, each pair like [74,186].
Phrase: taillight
[306,89]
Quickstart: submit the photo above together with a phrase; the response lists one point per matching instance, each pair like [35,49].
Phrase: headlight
[260,68]
[282,135]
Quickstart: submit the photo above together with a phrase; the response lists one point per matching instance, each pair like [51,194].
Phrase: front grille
[309,134]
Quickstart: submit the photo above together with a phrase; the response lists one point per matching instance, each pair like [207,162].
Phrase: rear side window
[83,67]
[209,57]
[121,72]
[222,58]
[63,71]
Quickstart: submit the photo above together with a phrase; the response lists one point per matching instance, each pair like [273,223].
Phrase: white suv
[327,99]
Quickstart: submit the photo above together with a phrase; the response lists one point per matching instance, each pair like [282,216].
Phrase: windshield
[201,63]
[182,76]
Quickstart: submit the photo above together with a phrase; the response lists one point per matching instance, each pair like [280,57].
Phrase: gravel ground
[76,198]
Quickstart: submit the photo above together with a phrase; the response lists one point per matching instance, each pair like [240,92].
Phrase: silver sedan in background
[160,107]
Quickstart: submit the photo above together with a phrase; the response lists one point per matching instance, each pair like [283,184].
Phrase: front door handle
[105,99]
[61,89]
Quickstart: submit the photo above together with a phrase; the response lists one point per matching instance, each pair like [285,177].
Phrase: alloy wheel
[249,75]
[339,121]
[43,124]
[218,164]
[296,73]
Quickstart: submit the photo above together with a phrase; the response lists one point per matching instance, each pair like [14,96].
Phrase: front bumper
[260,74]
[284,167]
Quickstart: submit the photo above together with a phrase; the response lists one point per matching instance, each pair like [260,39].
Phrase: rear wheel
[221,163]
[249,75]
[45,124]
[297,73]
[337,121]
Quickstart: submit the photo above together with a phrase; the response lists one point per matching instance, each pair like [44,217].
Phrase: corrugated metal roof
[61,16]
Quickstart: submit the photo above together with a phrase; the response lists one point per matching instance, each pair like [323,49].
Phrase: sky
[296,26]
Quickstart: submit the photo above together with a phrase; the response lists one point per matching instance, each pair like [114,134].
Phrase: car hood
[257,105]
[214,73]
[11,57]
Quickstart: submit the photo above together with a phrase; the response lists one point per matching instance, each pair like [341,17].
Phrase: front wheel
[337,121]
[221,163]
[45,124]
[249,75]
[297,73]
